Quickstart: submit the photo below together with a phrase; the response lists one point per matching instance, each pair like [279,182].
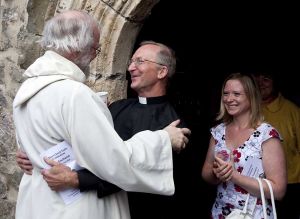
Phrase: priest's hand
[23,162]
[60,176]
[177,135]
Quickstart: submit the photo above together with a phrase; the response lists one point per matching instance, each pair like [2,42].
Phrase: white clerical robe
[53,105]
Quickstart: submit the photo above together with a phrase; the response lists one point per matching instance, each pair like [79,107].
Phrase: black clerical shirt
[131,116]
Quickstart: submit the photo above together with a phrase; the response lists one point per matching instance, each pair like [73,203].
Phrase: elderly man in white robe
[53,105]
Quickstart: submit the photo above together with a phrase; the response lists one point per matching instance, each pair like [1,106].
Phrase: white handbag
[240,214]
[243,214]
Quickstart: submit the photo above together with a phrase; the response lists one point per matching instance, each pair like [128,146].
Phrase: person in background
[242,139]
[53,105]
[284,115]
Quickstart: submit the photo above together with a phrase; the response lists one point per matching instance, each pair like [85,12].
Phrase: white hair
[71,31]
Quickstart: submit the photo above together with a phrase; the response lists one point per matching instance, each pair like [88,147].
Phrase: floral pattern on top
[231,196]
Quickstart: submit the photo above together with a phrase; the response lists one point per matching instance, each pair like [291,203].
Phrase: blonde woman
[241,142]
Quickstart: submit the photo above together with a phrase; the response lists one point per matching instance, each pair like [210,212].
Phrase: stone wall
[21,25]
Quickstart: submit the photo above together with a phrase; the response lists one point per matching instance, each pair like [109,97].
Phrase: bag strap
[272,198]
[246,204]
[262,196]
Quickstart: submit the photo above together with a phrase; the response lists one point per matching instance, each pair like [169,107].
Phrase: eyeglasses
[139,61]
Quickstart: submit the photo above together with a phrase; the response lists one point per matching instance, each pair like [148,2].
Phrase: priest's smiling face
[145,72]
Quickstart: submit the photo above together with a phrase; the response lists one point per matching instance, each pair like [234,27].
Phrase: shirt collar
[152,100]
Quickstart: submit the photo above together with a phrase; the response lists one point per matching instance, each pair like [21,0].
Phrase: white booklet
[253,167]
[63,153]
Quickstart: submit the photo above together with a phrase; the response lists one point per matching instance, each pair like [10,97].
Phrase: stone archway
[21,25]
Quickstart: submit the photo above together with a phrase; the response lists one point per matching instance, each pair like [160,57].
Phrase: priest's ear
[163,72]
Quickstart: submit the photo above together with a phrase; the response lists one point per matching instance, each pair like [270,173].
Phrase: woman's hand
[223,170]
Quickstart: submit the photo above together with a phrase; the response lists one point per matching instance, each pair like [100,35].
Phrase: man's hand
[177,135]
[23,162]
[59,177]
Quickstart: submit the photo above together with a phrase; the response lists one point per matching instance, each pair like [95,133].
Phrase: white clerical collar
[143,100]
[153,100]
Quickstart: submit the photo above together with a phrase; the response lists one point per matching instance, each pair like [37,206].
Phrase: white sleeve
[142,163]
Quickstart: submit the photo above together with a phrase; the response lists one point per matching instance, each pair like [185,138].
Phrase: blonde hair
[251,92]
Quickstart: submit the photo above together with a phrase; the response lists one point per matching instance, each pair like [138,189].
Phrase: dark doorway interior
[212,41]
